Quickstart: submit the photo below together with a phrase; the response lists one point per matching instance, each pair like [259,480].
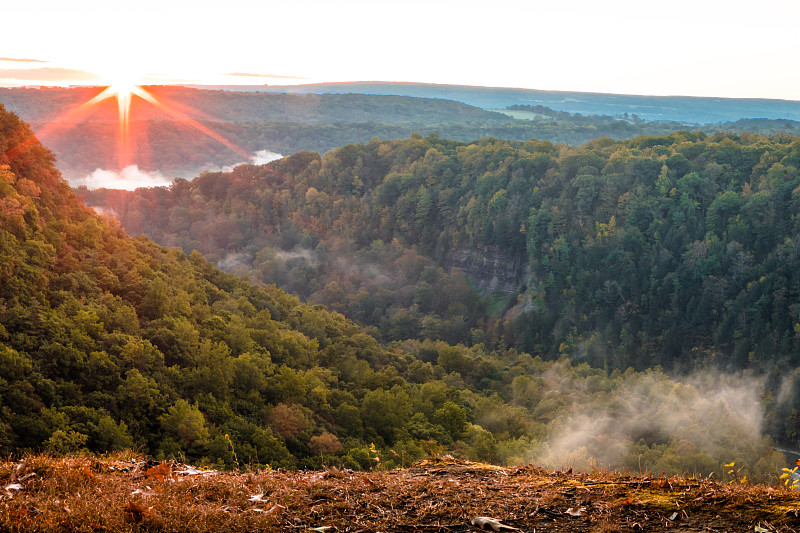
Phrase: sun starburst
[123,89]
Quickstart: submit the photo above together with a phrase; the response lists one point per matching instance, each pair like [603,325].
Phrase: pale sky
[682,47]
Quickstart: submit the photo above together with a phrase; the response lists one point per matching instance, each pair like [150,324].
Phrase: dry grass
[127,494]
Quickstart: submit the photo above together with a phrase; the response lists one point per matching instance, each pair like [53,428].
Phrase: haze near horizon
[622,47]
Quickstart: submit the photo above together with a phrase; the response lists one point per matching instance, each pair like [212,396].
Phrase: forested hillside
[108,342]
[671,250]
[679,251]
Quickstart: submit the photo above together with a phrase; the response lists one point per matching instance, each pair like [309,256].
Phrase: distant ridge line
[695,109]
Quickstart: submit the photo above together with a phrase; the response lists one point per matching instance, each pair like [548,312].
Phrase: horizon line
[232,86]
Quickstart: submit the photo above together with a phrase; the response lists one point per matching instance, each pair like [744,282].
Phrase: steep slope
[109,342]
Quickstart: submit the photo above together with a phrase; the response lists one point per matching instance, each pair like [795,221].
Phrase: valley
[478,298]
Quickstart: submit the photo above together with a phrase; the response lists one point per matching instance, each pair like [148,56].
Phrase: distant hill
[215,129]
[46,105]
[702,110]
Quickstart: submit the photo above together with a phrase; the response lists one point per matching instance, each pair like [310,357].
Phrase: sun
[123,91]
[122,86]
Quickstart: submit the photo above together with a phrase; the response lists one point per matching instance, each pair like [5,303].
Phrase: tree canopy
[108,341]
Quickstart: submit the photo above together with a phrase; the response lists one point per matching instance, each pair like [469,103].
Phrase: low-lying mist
[648,422]
[129,178]
[132,177]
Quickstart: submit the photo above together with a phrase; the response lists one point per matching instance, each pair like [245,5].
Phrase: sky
[683,47]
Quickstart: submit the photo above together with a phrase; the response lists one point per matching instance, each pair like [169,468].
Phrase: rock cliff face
[489,266]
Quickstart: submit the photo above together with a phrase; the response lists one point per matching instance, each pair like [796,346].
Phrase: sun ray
[124,92]
[186,119]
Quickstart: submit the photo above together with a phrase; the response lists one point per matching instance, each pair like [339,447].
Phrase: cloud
[22,60]
[129,178]
[47,74]
[277,76]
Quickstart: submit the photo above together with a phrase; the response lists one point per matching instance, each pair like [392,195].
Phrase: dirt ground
[102,495]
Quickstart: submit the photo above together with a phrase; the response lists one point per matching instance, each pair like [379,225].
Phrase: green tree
[452,418]
[186,423]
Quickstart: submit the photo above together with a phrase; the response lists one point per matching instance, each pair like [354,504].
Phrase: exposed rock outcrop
[493,269]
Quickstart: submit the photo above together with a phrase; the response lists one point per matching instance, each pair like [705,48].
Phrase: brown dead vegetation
[90,494]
